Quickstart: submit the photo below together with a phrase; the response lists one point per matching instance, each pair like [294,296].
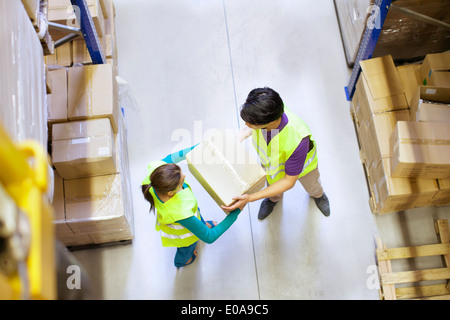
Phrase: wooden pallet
[389,279]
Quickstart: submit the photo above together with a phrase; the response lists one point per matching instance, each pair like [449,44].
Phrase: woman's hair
[163,179]
[263,105]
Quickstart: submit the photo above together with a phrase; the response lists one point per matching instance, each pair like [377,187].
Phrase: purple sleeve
[294,165]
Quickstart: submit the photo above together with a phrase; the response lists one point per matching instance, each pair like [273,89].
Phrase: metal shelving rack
[369,40]
[372,32]
[87,30]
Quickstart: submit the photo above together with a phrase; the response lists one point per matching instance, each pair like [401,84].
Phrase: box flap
[82,129]
[382,77]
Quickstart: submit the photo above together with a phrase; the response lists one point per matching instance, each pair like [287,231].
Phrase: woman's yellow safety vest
[273,156]
[181,206]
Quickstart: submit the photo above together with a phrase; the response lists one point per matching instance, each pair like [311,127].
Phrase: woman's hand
[240,203]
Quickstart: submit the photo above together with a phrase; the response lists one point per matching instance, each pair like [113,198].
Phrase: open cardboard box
[225,168]
[431,104]
[435,70]
[380,87]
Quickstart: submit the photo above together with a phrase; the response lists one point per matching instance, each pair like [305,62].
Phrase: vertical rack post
[89,32]
[369,40]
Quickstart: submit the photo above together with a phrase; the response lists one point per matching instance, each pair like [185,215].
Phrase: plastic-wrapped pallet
[98,209]
[22,86]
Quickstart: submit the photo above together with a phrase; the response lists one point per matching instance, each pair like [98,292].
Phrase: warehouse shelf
[87,30]
[89,33]
[367,46]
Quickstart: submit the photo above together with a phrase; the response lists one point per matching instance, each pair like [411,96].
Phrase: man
[286,148]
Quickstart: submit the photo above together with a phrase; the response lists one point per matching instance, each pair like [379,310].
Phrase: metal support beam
[369,40]
[73,33]
[65,39]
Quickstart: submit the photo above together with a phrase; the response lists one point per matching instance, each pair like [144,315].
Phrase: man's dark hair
[263,105]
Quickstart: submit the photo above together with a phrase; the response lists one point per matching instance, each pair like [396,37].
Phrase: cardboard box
[48,81]
[51,61]
[379,130]
[380,88]
[57,100]
[431,104]
[81,53]
[105,8]
[382,77]
[395,194]
[61,228]
[64,55]
[435,70]
[109,46]
[224,168]
[96,204]
[95,212]
[83,148]
[420,149]
[93,93]
[110,26]
[76,239]
[113,235]
[410,79]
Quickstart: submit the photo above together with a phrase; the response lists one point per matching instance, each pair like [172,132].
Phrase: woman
[178,217]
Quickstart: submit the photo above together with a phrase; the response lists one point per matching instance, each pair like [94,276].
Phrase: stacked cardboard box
[389,104]
[93,205]
[421,149]
[88,144]
[84,148]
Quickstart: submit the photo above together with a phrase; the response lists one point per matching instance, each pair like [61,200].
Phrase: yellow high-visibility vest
[273,156]
[181,206]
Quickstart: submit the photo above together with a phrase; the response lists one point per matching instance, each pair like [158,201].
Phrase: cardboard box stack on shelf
[92,198]
[402,121]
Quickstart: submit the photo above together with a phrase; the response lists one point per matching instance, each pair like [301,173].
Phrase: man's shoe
[266,208]
[323,204]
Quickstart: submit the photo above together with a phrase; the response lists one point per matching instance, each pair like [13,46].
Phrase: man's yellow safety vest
[181,206]
[273,156]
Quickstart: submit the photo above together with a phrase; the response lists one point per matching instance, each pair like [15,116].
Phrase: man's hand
[282,185]
[240,203]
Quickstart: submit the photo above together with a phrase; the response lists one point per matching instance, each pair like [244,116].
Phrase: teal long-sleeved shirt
[193,224]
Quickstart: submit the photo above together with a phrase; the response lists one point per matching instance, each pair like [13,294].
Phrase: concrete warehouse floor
[190,65]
